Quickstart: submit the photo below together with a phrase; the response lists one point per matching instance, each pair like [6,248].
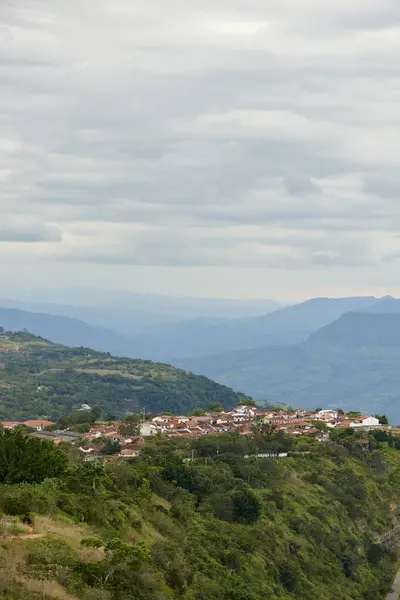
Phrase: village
[126,442]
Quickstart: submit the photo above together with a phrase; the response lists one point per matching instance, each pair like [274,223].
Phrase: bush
[92,542]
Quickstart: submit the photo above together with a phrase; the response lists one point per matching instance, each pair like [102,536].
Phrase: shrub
[92,542]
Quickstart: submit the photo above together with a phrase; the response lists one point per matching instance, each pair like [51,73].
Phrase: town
[125,438]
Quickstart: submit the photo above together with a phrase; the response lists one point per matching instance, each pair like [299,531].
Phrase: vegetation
[226,525]
[39,379]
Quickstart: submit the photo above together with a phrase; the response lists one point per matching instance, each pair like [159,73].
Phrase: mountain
[129,312]
[40,379]
[388,304]
[352,363]
[201,337]
[360,330]
[100,328]
[66,330]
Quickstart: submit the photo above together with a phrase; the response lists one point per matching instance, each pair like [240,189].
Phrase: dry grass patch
[46,587]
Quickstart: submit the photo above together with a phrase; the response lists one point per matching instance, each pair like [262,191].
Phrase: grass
[14,552]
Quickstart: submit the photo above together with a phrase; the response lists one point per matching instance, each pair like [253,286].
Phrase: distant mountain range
[332,352]
[128,312]
[172,341]
[352,363]
[200,337]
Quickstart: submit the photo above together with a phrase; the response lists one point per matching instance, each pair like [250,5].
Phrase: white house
[367,422]
[327,414]
[147,429]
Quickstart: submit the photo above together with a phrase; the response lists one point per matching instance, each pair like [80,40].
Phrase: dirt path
[24,536]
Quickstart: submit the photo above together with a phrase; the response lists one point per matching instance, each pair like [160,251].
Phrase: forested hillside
[39,379]
[318,525]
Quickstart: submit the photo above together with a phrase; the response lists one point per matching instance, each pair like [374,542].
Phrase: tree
[197,412]
[249,402]
[27,459]
[320,425]
[383,420]
[130,426]
[246,506]
[96,413]
[110,448]
[215,407]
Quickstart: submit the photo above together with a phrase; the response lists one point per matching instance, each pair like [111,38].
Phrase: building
[366,422]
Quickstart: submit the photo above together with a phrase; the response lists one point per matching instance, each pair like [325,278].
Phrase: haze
[241,148]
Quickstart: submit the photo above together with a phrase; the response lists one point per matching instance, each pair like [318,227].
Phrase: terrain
[218,527]
[353,362]
[129,312]
[41,379]
[212,330]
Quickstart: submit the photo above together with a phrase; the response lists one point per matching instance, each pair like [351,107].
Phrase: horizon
[23,295]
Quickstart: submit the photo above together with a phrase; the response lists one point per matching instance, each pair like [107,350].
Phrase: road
[395,591]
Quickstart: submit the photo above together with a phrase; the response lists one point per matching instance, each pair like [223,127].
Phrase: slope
[39,379]
[351,363]
[315,526]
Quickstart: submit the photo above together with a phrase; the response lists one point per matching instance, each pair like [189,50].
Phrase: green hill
[38,379]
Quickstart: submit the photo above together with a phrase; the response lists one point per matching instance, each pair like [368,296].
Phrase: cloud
[235,133]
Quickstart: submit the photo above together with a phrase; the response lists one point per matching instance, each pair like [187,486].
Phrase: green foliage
[215,407]
[110,448]
[92,542]
[383,420]
[226,525]
[246,506]
[26,459]
[197,412]
[49,379]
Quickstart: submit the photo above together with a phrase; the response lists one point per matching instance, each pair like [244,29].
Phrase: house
[38,424]
[56,436]
[326,415]
[128,453]
[10,424]
[366,422]
[147,429]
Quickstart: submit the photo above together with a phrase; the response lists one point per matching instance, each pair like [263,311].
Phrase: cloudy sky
[232,148]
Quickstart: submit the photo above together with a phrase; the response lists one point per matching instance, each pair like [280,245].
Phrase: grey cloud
[29,235]
[245,114]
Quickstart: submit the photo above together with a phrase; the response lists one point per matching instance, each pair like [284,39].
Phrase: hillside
[361,329]
[352,363]
[318,525]
[38,379]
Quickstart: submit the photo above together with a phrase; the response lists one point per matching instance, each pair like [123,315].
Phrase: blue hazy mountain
[350,363]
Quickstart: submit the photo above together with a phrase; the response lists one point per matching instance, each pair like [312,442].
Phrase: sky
[222,148]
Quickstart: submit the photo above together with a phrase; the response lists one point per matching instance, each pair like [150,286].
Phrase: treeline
[208,519]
